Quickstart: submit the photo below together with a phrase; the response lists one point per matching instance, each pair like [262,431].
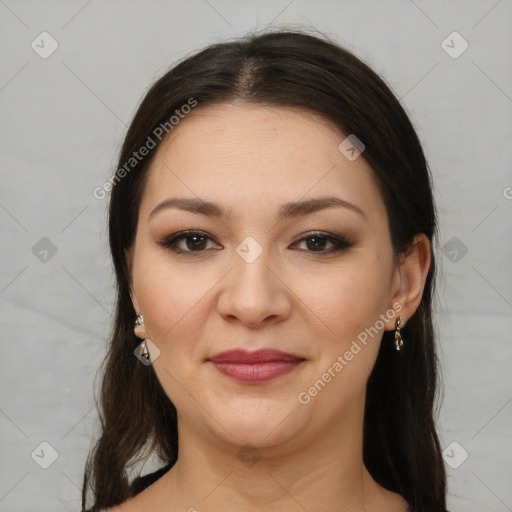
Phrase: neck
[327,474]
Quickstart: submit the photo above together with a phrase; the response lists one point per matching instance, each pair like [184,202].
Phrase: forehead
[248,157]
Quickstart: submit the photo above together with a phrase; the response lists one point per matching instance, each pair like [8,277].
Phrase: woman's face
[317,282]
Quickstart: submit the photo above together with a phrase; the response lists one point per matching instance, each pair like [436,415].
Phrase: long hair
[401,448]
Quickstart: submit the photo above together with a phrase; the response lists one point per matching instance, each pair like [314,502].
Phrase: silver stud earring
[139,320]
[398,337]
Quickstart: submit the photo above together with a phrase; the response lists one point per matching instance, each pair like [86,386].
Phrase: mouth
[255,367]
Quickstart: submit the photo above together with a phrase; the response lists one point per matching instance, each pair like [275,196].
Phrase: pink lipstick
[255,367]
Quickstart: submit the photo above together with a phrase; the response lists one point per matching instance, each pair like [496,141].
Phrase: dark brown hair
[290,69]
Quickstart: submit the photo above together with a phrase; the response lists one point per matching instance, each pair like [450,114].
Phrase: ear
[139,330]
[409,279]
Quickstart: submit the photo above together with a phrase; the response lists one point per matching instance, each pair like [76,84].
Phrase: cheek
[169,299]
[347,298]
[174,302]
[349,302]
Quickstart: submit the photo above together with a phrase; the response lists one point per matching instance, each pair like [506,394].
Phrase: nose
[254,295]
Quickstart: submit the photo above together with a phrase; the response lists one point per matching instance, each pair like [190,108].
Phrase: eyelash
[340,243]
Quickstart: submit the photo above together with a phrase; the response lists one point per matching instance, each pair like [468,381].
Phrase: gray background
[62,121]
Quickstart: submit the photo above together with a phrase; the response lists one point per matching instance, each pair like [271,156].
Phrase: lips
[255,367]
[258,356]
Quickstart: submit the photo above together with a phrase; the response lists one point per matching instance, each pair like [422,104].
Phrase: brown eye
[194,242]
[316,242]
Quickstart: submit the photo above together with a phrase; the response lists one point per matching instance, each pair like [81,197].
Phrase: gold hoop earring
[398,337]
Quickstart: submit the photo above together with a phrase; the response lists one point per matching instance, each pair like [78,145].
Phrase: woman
[271,226]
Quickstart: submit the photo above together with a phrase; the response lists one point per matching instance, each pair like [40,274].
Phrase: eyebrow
[287,210]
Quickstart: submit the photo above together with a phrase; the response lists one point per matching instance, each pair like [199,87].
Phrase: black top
[141,482]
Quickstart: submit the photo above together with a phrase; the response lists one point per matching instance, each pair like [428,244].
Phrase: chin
[259,422]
